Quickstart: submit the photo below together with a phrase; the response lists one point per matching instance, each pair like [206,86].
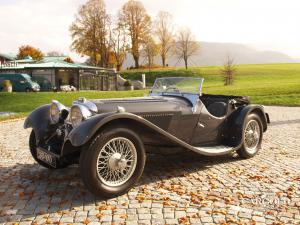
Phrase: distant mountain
[211,53]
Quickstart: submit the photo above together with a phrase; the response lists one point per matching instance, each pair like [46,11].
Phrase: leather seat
[217,109]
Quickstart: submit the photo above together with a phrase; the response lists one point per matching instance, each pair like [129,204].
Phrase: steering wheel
[174,88]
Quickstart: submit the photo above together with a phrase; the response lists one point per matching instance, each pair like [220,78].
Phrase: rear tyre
[27,90]
[251,137]
[113,162]
[33,147]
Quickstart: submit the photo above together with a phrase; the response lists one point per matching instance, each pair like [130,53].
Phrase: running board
[213,150]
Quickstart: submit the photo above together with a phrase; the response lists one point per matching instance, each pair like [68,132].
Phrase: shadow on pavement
[28,190]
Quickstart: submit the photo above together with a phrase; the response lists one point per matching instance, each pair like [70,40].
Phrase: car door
[208,129]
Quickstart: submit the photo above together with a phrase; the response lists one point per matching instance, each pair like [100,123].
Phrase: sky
[263,24]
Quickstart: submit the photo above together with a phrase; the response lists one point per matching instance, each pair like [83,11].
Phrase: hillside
[211,53]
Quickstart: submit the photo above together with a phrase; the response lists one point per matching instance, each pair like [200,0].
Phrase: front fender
[87,129]
[39,121]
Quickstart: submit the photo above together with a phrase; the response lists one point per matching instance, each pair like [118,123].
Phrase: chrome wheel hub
[116,161]
[252,136]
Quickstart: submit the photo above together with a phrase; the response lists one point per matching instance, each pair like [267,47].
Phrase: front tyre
[252,136]
[113,162]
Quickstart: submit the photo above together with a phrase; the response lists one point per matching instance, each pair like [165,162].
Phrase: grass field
[273,84]
[23,103]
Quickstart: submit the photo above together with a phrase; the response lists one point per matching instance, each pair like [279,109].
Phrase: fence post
[144,80]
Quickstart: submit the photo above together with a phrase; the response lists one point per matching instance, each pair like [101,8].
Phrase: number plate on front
[46,157]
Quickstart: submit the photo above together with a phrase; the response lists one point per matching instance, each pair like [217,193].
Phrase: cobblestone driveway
[185,189]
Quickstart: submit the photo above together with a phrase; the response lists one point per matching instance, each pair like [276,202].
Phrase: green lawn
[23,103]
[272,84]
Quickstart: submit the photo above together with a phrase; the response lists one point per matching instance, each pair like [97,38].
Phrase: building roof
[47,62]
[8,56]
[58,65]
[54,59]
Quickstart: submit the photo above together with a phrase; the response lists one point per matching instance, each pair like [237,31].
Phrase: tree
[27,50]
[138,23]
[228,71]
[150,50]
[90,32]
[164,32]
[186,45]
[119,44]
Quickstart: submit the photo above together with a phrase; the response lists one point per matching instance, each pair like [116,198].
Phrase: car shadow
[28,190]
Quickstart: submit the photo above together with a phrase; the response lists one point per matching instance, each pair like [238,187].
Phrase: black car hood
[144,104]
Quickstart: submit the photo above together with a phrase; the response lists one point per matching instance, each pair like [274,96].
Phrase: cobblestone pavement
[184,189]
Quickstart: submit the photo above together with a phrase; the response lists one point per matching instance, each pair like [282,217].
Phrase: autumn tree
[186,45]
[27,50]
[164,32]
[119,43]
[90,32]
[228,71]
[150,50]
[138,24]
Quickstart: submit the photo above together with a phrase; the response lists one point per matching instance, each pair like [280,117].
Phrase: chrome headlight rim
[55,117]
[85,113]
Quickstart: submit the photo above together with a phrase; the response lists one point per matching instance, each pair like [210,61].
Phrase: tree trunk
[163,58]
[186,64]
[119,67]
[136,60]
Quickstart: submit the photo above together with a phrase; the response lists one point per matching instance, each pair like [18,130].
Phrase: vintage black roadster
[109,138]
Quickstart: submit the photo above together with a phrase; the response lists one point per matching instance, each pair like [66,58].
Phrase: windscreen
[180,85]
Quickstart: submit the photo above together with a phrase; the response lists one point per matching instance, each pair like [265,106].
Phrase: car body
[67,88]
[20,82]
[110,137]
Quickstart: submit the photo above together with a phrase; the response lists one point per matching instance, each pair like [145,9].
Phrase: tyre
[33,146]
[251,137]
[113,162]
[27,90]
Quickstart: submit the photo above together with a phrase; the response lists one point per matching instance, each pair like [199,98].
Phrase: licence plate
[46,157]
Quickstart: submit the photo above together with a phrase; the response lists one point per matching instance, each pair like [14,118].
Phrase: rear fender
[238,120]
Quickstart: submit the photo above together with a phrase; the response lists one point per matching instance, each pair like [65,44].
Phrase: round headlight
[58,111]
[76,116]
[54,113]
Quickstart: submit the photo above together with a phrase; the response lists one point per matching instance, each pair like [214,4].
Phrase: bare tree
[228,71]
[119,43]
[90,32]
[165,34]
[138,23]
[186,45]
[150,50]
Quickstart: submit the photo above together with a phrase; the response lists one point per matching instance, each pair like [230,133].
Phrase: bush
[6,86]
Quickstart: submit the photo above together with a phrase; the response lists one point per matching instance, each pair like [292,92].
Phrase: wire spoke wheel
[252,136]
[116,161]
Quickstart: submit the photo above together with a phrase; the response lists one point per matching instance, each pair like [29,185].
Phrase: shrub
[6,83]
